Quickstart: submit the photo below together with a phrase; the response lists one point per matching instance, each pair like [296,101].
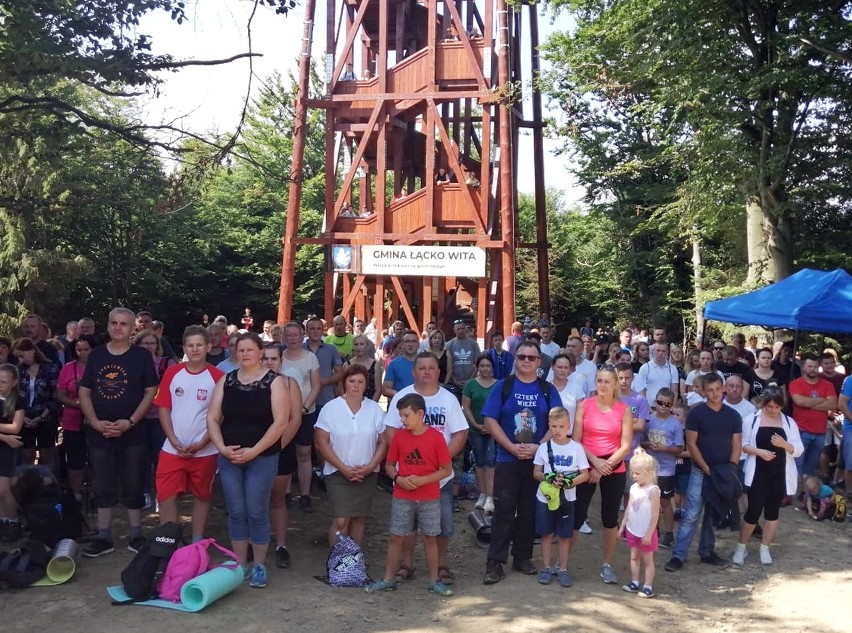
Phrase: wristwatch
[132,422]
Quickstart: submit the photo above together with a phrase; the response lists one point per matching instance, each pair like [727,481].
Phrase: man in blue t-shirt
[518,425]
[400,371]
[714,433]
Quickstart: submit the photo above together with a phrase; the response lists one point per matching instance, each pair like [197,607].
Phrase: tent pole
[793,356]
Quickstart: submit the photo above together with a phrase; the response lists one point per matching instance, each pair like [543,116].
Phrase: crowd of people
[667,436]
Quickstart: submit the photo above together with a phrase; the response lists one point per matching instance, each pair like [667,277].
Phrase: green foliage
[677,112]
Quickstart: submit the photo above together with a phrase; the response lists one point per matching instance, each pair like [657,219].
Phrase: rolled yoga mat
[62,565]
[481,524]
[211,585]
[216,583]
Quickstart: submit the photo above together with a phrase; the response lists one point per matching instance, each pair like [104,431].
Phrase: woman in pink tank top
[604,426]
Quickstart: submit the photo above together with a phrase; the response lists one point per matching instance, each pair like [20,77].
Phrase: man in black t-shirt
[713,438]
[116,391]
[730,364]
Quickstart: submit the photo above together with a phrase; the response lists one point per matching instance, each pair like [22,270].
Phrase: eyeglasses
[458,322]
[661,403]
[529,357]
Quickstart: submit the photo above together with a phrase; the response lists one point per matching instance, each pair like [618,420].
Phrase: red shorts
[635,542]
[176,475]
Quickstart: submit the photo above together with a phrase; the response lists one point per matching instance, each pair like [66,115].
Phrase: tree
[739,74]
[244,205]
[50,44]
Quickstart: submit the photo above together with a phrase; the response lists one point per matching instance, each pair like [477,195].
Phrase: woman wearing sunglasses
[604,426]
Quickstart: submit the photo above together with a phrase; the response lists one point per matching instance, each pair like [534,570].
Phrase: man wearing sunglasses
[518,423]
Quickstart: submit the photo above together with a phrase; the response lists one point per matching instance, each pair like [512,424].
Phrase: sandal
[445,575]
[404,573]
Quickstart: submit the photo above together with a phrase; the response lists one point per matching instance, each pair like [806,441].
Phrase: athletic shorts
[559,522]
[176,475]
[667,486]
[287,462]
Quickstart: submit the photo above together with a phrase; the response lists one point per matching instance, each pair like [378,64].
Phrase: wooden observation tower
[424,102]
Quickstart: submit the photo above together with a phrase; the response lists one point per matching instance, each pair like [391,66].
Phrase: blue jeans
[247,488]
[484,449]
[808,461]
[689,521]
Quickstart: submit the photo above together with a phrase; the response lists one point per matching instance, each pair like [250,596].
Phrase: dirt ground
[801,591]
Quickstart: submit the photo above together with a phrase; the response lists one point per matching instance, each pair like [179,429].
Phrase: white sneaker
[488,506]
[585,528]
[765,556]
[740,555]
[480,503]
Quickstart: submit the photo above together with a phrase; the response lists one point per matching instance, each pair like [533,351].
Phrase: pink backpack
[185,564]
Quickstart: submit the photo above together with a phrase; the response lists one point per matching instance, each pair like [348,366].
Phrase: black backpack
[509,382]
[54,515]
[142,575]
[23,566]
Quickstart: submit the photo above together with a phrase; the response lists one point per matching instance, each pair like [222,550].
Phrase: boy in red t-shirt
[417,460]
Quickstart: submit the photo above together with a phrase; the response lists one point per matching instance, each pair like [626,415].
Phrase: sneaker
[488,508]
[480,503]
[632,587]
[765,556]
[715,560]
[525,567]
[380,585]
[563,578]
[545,576]
[667,540]
[98,547]
[136,543]
[493,573]
[440,588]
[585,528]
[608,574]
[645,592]
[282,557]
[740,555]
[674,564]
[305,504]
[258,577]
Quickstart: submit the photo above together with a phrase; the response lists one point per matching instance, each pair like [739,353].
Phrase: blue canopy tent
[813,300]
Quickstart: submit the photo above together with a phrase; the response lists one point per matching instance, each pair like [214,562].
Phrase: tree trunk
[779,245]
[696,287]
[758,269]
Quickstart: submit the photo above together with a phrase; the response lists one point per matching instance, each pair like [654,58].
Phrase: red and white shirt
[188,396]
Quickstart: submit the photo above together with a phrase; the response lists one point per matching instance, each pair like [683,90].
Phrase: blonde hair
[643,461]
[813,484]
[11,401]
[559,413]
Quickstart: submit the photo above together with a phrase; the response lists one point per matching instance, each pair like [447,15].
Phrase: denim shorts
[484,449]
[846,449]
[408,516]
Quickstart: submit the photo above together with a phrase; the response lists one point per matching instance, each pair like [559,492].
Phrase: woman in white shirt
[348,435]
[569,391]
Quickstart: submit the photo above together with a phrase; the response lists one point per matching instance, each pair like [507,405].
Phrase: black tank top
[247,411]
[764,440]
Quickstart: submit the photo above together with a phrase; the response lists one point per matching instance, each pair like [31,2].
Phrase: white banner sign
[423,261]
